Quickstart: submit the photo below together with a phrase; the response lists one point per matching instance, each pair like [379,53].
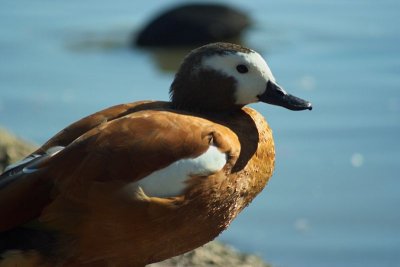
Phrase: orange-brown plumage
[88,195]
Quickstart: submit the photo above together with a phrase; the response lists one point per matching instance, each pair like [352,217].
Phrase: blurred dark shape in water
[193,25]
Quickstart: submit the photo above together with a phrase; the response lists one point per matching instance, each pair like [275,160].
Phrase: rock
[213,254]
[194,24]
[12,148]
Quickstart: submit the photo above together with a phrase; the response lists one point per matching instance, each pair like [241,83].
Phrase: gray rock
[213,254]
[12,148]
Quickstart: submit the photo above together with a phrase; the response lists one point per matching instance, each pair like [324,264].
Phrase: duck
[141,182]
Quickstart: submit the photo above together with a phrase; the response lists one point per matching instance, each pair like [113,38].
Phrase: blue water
[334,198]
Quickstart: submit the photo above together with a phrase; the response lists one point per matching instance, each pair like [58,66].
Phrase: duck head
[223,77]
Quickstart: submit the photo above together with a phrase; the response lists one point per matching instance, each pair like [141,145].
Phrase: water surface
[334,197]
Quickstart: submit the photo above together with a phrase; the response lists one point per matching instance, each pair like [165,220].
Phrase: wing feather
[124,144]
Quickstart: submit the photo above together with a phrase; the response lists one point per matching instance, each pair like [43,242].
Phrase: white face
[250,84]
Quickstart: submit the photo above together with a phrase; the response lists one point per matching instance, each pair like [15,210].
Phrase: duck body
[135,183]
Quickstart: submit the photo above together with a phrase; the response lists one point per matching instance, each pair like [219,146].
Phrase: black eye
[242,68]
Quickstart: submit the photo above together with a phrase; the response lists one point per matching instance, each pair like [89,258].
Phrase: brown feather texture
[81,195]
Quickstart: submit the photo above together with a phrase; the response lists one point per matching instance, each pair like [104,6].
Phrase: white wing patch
[170,181]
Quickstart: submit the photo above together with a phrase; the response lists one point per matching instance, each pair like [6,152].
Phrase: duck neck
[204,109]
